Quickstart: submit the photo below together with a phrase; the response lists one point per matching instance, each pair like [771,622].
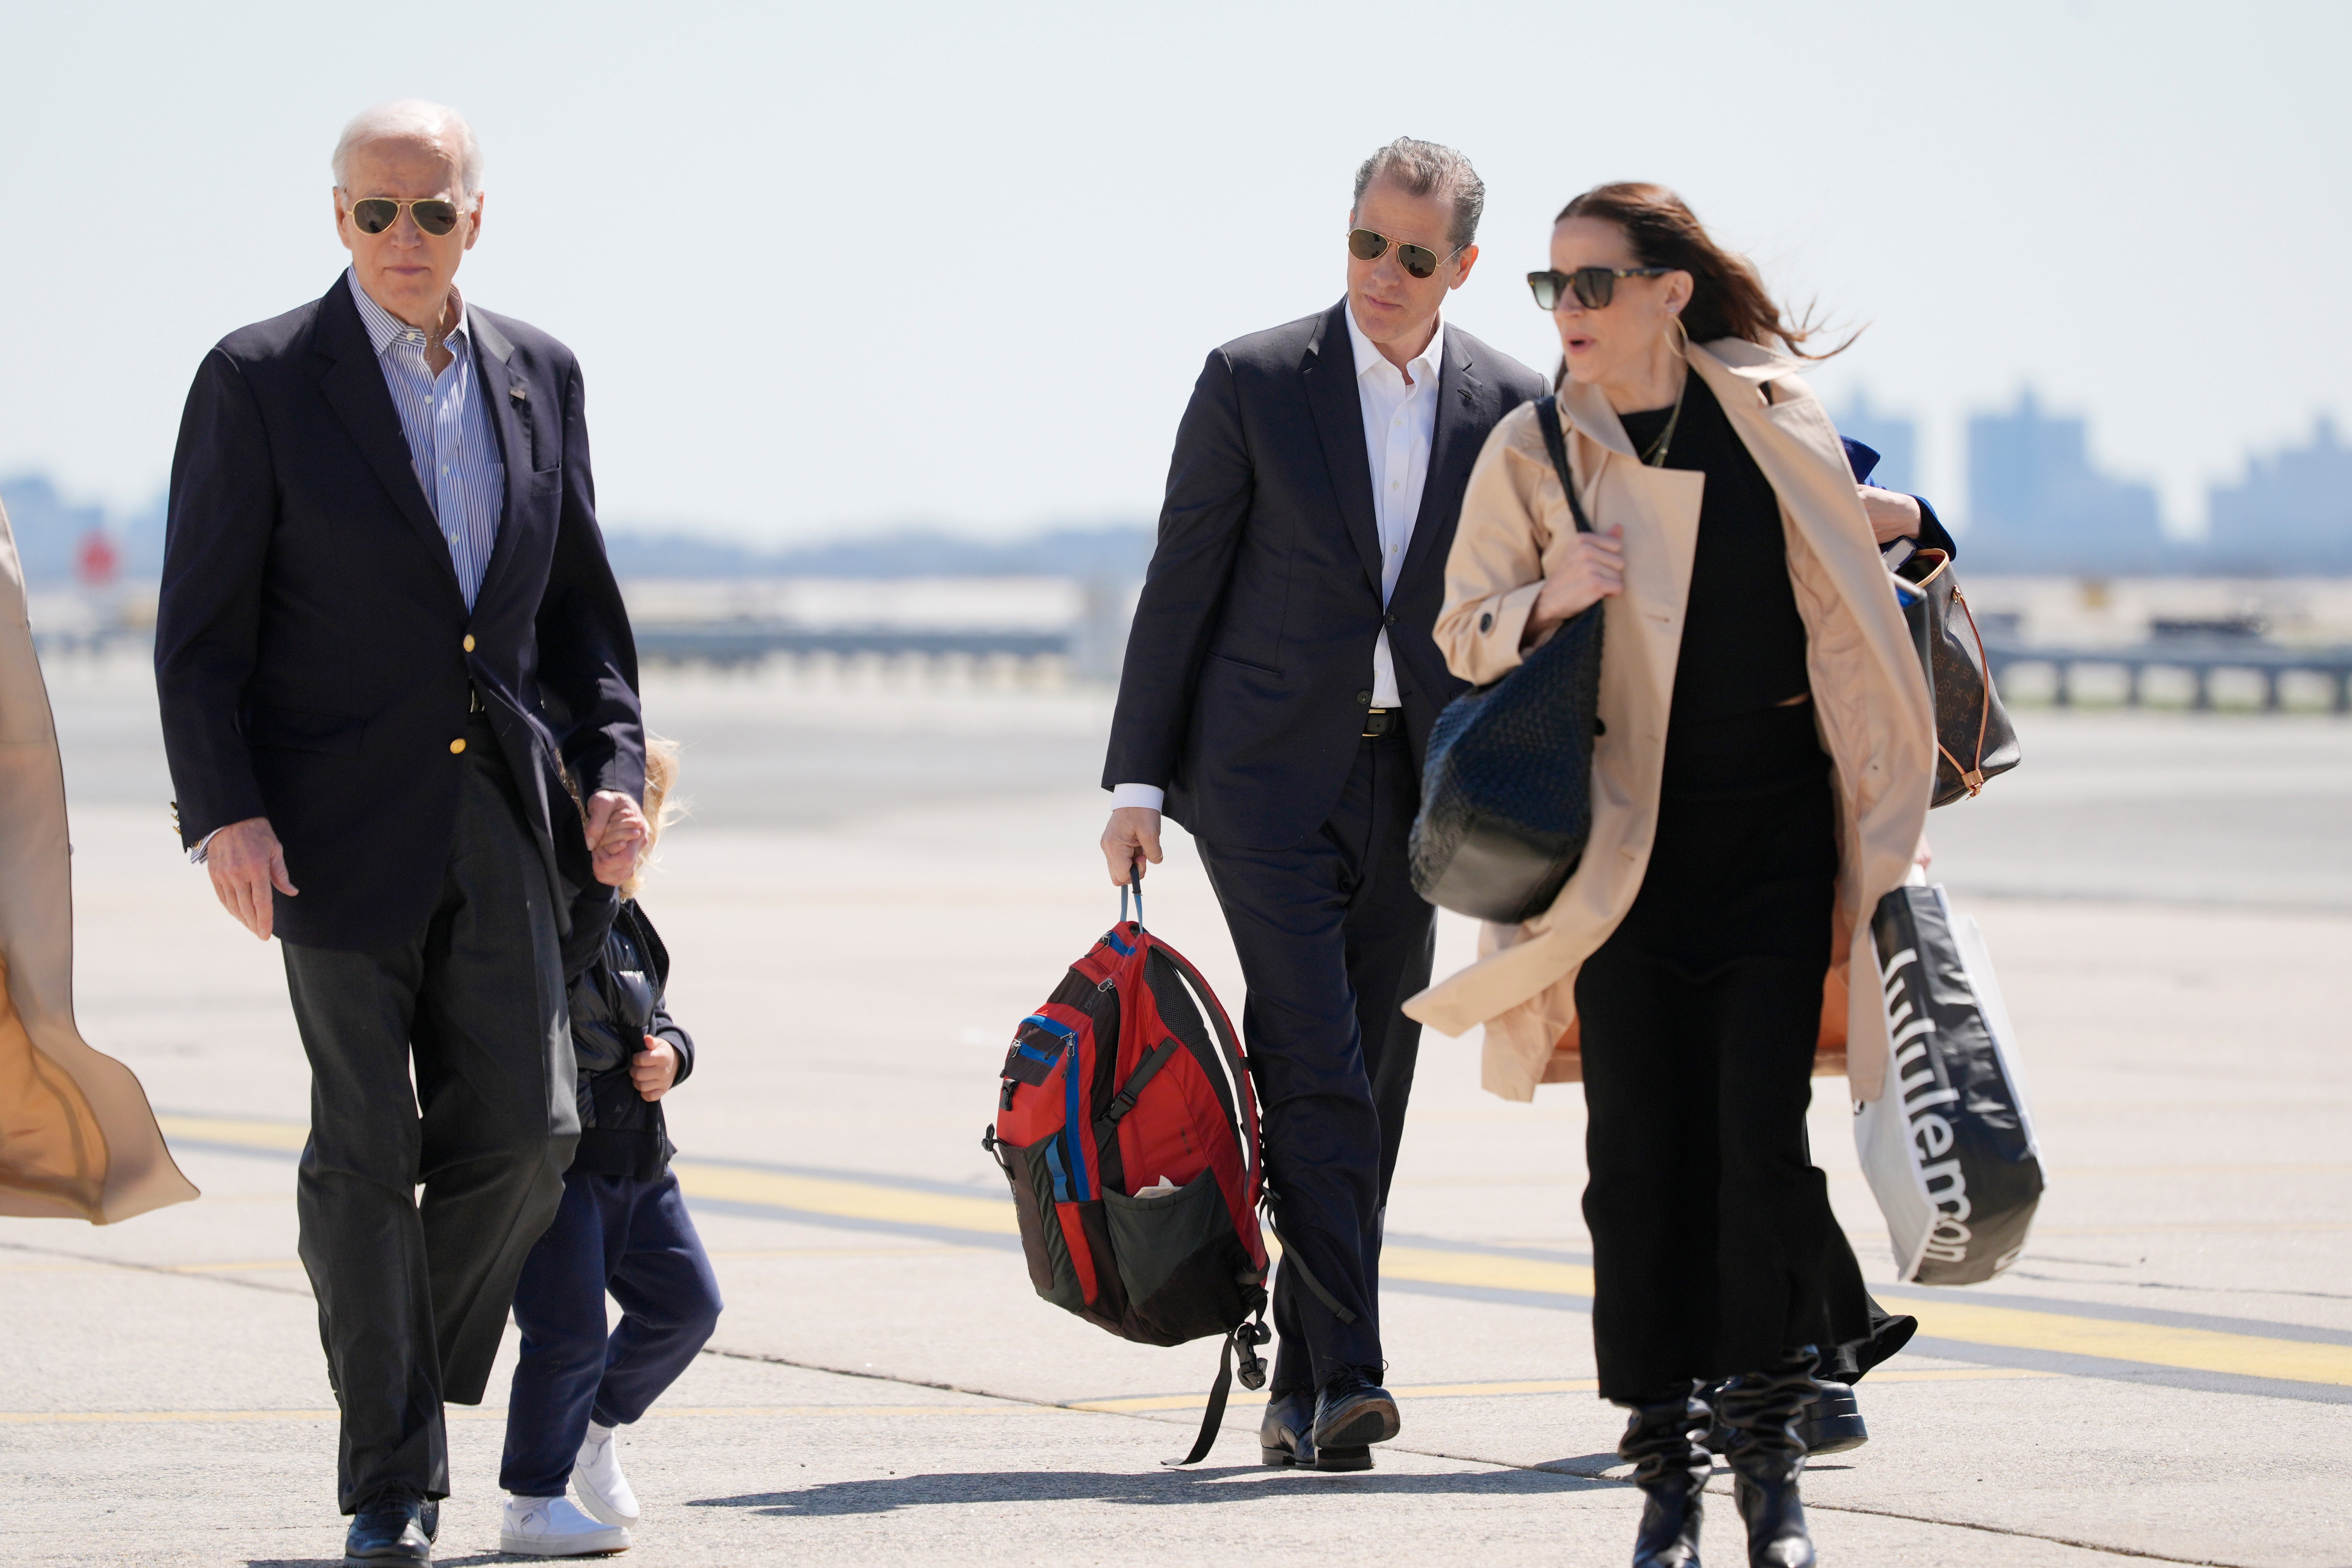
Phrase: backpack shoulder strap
[1556,443]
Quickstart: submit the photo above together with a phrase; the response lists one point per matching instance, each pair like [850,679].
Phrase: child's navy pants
[630,1237]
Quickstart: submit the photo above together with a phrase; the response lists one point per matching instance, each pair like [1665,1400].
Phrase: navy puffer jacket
[616,1001]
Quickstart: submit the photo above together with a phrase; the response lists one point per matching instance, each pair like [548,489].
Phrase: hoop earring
[1682,335]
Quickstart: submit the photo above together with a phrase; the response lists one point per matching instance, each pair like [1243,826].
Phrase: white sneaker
[603,1490]
[552,1527]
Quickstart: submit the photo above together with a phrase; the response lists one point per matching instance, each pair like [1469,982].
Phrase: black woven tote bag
[1506,788]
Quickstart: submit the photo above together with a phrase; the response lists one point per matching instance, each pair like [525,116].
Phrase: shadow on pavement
[1142,1489]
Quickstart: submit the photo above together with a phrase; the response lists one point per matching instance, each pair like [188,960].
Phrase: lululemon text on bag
[1949,1145]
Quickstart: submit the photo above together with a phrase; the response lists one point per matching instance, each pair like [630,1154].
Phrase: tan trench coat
[77,1137]
[1870,698]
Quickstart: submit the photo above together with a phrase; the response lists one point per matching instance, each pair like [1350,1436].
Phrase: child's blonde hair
[662,804]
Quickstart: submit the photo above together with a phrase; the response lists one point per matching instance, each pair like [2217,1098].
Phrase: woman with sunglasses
[1762,772]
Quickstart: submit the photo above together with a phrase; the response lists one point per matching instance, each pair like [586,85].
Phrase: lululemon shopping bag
[1127,1124]
[1507,780]
[1948,1144]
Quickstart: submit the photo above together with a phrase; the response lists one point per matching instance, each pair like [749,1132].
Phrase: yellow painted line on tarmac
[160,1417]
[842,1199]
[277,1136]
[2013,1328]
[1438,1266]
[2193,1350]
[1144,1403]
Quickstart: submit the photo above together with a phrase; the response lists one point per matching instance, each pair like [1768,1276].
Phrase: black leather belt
[1383,721]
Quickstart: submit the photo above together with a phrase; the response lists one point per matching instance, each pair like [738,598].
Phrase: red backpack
[1128,1127]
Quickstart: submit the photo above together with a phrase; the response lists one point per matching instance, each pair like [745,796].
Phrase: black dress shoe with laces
[1287,1436]
[391,1531]
[1353,1412]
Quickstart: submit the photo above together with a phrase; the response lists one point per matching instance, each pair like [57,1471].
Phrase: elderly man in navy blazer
[1280,683]
[399,698]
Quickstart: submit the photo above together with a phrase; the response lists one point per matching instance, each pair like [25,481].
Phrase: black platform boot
[1671,1467]
[1766,1456]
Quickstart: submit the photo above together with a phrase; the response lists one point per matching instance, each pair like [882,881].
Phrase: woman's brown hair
[1728,299]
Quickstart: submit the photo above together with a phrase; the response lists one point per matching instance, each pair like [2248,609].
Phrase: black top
[615,1003]
[1743,647]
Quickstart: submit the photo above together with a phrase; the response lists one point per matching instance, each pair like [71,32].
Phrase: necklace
[1657,456]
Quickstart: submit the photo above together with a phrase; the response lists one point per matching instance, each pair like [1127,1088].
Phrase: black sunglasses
[1417,260]
[1595,286]
[374,214]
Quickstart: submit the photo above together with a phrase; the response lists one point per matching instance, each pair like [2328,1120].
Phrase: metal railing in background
[2199,656]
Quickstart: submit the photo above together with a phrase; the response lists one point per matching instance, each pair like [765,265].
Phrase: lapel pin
[518,391]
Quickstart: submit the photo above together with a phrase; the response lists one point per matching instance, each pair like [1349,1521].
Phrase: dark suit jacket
[1250,662]
[312,647]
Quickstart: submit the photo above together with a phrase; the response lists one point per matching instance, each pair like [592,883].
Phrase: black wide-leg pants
[1332,940]
[1715,1250]
[413,1295]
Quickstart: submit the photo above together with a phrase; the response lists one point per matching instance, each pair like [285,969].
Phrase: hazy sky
[838,265]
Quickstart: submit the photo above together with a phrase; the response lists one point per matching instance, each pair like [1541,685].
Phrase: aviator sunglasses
[434,215]
[1417,260]
[1595,286]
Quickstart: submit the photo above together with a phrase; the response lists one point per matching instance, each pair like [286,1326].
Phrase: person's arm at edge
[1495,572]
[1209,490]
[1210,484]
[588,657]
[221,509]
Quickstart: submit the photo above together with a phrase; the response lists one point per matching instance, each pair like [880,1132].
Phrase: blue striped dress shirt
[450,442]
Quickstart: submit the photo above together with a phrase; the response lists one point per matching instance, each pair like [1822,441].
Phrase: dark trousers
[1714,1251]
[1332,939]
[635,1239]
[413,1295]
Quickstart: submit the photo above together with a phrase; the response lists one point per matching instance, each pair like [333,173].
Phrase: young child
[623,1227]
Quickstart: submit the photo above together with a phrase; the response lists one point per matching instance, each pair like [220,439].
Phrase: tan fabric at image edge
[78,1139]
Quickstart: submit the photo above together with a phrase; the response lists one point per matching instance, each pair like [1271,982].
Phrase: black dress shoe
[1287,1436]
[390,1530]
[1352,1412]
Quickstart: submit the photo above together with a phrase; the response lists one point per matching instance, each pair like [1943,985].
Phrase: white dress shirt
[1400,424]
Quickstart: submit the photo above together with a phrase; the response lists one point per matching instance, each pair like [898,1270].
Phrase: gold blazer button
[456,745]
[469,642]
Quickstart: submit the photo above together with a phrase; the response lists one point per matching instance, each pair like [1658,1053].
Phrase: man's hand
[1133,830]
[246,861]
[617,836]
[654,1070]
[1893,516]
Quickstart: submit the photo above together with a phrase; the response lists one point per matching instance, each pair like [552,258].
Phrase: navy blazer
[1249,665]
[313,652]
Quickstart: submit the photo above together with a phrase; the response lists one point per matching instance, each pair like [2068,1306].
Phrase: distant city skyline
[830,267]
[2037,498]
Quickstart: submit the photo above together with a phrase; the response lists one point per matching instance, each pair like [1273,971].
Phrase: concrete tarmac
[2166,1374]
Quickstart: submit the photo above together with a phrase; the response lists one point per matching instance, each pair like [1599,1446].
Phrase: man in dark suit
[389,649]
[1279,687]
